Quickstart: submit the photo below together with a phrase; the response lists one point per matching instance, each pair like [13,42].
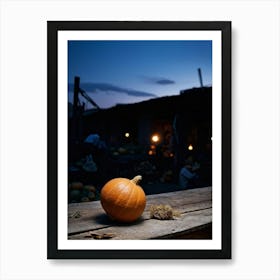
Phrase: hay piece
[163,212]
[100,236]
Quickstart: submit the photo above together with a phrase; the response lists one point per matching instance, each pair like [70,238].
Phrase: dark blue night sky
[114,72]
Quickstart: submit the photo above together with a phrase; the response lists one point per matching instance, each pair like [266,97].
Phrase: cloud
[165,82]
[109,88]
[159,81]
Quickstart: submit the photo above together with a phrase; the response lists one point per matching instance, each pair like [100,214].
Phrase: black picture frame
[53,27]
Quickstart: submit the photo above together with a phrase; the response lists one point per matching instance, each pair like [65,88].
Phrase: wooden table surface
[88,220]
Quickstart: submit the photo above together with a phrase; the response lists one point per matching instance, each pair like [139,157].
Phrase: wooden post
[76,121]
[200,77]
[76,92]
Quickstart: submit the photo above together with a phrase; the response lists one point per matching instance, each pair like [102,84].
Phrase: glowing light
[127,135]
[155,138]
[150,152]
[190,147]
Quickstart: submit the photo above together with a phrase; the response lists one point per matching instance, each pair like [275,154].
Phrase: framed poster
[139,140]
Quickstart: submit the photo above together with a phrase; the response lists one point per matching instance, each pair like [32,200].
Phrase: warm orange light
[155,138]
[150,152]
[190,147]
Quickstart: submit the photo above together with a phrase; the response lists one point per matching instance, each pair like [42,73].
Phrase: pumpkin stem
[137,179]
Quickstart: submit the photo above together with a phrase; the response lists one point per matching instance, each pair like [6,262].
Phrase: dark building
[192,109]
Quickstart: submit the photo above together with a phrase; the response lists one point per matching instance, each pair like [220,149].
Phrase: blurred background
[139,108]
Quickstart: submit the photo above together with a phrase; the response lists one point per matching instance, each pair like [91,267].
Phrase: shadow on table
[104,219]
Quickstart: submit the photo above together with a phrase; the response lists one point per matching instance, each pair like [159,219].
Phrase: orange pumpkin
[123,200]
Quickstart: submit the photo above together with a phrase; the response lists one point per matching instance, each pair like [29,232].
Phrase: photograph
[139,125]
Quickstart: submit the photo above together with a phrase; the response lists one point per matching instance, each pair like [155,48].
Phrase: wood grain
[88,219]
